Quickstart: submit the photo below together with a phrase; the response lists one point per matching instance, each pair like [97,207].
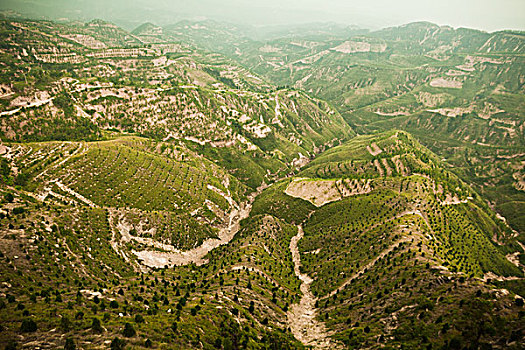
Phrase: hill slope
[155,194]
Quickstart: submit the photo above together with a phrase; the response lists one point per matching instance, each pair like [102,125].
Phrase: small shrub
[139,318]
[128,331]
[70,344]
[118,344]
[28,326]
[96,326]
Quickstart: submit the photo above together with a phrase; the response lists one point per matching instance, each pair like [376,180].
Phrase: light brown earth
[302,317]
[374,149]
[321,192]
[360,46]
[170,256]
[446,83]
[387,167]
[452,112]
[379,168]
[400,167]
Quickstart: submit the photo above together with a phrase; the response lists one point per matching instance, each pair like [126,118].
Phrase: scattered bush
[28,326]
[128,331]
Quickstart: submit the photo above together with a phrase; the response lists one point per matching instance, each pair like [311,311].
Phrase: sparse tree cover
[198,185]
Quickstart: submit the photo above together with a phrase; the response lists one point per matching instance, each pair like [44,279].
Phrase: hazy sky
[488,15]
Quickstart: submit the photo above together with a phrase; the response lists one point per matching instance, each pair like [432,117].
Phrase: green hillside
[205,185]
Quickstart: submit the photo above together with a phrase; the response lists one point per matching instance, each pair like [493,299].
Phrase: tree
[128,331]
[118,344]
[65,324]
[70,344]
[28,326]
[9,197]
[139,318]
[96,326]
[21,179]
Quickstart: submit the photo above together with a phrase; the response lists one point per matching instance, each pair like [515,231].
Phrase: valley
[204,185]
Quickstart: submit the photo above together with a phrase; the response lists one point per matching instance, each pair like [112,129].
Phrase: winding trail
[82,148]
[381,255]
[301,317]
[74,194]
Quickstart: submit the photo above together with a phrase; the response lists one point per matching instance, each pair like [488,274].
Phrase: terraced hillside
[76,288]
[98,252]
[460,91]
[463,87]
[157,197]
[188,187]
[164,91]
[380,261]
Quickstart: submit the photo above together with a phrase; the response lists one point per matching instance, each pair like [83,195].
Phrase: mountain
[147,29]
[217,186]
[382,219]
[459,90]
[163,91]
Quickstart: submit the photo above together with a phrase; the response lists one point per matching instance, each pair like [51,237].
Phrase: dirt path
[79,150]
[74,194]
[301,317]
[368,266]
[37,103]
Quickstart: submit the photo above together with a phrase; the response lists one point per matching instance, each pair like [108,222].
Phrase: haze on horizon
[488,15]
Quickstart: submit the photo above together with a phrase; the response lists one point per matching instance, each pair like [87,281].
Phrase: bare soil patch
[446,83]
[374,149]
[321,192]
